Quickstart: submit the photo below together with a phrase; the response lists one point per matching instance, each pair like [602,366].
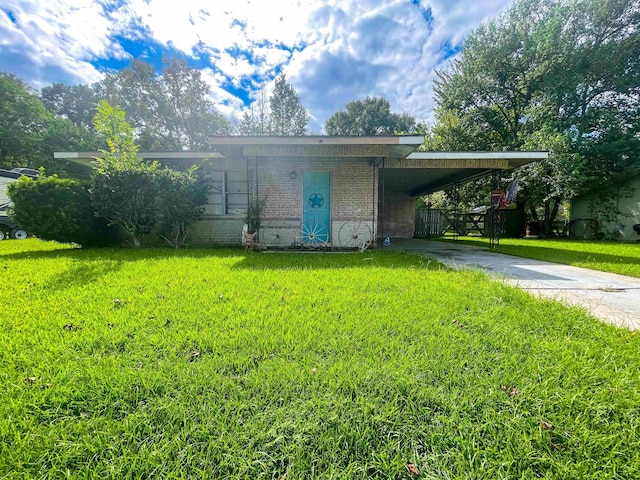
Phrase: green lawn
[614,257]
[226,364]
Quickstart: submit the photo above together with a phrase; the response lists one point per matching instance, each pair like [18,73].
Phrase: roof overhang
[405,170]
[426,172]
[87,158]
[316,146]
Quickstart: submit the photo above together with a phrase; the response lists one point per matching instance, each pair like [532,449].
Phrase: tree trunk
[550,218]
[550,214]
[521,208]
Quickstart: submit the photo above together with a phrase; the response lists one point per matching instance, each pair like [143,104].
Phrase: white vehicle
[8,228]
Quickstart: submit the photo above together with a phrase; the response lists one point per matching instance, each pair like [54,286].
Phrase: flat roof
[391,146]
[145,155]
[426,172]
[480,155]
[317,140]
[406,170]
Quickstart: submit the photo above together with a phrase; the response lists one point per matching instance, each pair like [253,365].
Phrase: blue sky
[332,51]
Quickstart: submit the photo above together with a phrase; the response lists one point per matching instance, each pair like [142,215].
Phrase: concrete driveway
[610,297]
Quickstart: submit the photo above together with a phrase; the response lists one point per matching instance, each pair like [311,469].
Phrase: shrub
[181,197]
[129,198]
[59,209]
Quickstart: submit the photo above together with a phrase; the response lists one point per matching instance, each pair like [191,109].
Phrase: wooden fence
[434,222]
[430,222]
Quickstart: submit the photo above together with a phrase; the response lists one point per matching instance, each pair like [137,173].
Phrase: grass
[226,364]
[607,256]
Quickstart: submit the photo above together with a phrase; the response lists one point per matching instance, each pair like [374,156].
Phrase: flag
[510,195]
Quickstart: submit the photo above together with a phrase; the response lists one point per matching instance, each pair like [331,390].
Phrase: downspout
[374,191]
[248,184]
[381,212]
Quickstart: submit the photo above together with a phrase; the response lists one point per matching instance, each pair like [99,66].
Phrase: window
[228,195]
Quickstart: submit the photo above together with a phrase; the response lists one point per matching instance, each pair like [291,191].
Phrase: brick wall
[353,196]
[217,231]
[397,215]
[354,199]
[220,230]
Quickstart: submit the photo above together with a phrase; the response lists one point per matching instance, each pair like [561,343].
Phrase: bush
[129,198]
[181,196]
[59,209]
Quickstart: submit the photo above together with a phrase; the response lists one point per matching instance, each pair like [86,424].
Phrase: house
[342,192]
[614,218]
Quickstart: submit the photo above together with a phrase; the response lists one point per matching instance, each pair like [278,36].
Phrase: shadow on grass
[101,261]
[334,261]
[124,254]
[83,274]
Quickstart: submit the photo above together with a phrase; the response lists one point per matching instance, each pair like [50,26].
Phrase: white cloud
[388,50]
[332,51]
[55,41]
[226,103]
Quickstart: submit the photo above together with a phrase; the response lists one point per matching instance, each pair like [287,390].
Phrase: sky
[331,51]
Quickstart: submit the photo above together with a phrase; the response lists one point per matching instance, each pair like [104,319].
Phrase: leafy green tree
[124,189]
[139,196]
[122,150]
[371,116]
[29,133]
[75,102]
[23,123]
[288,115]
[137,91]
[193,118]
[170,110]
[560,75]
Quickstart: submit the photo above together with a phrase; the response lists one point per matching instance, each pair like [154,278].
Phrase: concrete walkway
[610,297]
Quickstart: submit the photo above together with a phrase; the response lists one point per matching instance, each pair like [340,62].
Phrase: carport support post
[496,193]
[381,212]
[455,192]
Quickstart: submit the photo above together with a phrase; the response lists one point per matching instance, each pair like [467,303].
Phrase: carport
[421,173]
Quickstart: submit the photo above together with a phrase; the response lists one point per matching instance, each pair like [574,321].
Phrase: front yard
[226,364]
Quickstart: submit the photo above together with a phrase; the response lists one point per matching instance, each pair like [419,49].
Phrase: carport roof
[426,172]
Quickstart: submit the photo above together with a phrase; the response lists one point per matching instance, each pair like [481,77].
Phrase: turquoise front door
[316,207]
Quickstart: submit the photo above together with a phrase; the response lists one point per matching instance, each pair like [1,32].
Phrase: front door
[316,208]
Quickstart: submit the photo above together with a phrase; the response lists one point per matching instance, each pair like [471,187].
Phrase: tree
[282,113]
[75,102]
[23,123]
[288,116]
[29,133]
[371,116]
[137,92]
[560,75]
[193,118]
[138,196]
[257,120]
[123,188]
[170,110]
